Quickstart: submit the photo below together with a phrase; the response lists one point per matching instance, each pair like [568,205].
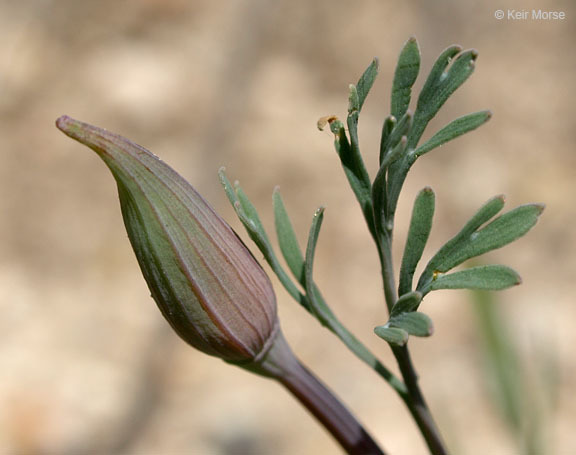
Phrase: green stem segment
[414,399]
[281,364]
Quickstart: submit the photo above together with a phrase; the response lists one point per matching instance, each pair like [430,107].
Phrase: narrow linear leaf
[258,235]
[353,99]
[396,153]
[379,196]
[354,169]
[442,85]
[250,211]
[366,81]
[500,232]
[404,77]
[436,73]
[392,335]
[485,213]
[228,188]
[418,233]
[415,323]
[487,277]
[317,305]
[387,127]
[453,130]
[407,303]
[401,129]
[287,238]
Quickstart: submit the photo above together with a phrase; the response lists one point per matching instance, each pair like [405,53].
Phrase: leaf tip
[540,208]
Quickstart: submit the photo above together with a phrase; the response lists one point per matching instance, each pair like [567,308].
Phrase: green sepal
[486,277]
[418,233]
[287,238]
[366,81]
[392,335]
[404,77]
[407,303]
[414,323]
[453,130]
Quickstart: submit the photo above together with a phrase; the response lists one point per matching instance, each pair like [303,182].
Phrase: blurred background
[87,363]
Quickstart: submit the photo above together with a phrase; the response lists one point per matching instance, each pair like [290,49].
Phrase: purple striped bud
[205,281]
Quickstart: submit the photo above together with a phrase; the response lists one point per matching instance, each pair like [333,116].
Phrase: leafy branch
[399,149]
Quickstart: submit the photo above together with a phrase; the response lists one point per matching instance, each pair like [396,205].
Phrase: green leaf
[228,188]
[453,130]
[418,233]
[471,241]
[317,305]
[287,238]
[407,303]
[436,73]
[250,211]
[441,83]
[392,335]
[404,77]
[256,232]
[401,129]
[487,211]
[387,128]
[500,232]
[353,100]
[354,166]
[414,323]
[486,277]
[366,81]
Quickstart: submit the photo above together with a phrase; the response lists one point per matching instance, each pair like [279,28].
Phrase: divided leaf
[487,277]
[473,241]
[500,232]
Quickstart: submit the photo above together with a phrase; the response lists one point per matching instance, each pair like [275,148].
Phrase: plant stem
[415,399]
[281,364]
[417,404]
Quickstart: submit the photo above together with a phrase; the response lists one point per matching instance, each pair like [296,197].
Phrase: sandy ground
[87,364]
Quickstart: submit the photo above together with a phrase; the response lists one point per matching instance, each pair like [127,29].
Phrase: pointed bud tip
[63,122]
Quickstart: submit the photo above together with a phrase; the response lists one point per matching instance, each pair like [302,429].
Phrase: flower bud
[205,281]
